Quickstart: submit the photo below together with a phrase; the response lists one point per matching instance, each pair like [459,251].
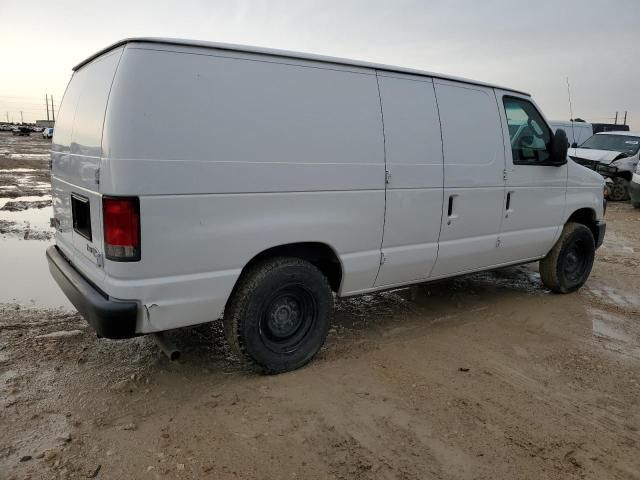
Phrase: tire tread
[549,265]
[237,305]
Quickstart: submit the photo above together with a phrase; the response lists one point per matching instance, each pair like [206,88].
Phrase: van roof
[284,53]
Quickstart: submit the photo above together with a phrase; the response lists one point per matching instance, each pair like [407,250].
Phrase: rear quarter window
[81,115]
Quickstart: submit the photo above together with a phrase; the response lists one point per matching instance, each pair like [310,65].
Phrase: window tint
[530,137]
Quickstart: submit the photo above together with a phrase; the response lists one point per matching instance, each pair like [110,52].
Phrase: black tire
[279,314]
[619,191]
[568,265]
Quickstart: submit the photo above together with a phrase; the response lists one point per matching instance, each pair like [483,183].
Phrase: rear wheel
[619,190]
[278,317]
[568,265]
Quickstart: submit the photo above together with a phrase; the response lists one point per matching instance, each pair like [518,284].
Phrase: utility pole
[21,118]
[625,117]
[46,99]
[616,120]
[53,113]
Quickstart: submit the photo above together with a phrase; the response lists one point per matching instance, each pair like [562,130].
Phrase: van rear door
[75,161]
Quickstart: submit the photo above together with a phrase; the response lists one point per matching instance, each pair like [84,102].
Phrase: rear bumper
[601,228]
[110,318]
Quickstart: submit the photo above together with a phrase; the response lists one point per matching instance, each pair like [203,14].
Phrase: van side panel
[413,146]
[256,126]
[230,157]
[474,161]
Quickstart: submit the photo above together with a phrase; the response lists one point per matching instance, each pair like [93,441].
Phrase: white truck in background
[577,132]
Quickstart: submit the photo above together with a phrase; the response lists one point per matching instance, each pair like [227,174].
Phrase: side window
[530,137]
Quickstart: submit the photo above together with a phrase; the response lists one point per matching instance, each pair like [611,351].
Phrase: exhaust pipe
[167,346]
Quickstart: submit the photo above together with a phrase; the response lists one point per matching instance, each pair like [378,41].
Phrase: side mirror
[574,145]
[559,148]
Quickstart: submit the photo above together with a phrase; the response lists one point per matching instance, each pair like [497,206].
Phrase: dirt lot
[482,377]
[24,186]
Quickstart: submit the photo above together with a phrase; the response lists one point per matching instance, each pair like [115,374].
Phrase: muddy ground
[487,376]
[25,186]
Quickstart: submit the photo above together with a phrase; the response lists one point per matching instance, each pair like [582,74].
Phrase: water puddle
[36,218]
[27,156]
[24,274]
[613,296]
[27,198]
[614,331]
[615,244]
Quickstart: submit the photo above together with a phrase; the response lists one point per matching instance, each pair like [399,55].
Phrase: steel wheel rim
[287,317]
[575,261]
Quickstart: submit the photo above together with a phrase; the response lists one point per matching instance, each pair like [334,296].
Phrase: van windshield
[615,143]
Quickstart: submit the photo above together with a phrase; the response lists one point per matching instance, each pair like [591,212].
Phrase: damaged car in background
[614,155]
[634,188]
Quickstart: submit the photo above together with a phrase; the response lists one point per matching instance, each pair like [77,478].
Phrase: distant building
[45,123]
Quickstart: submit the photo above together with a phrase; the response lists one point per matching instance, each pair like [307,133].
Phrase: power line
[20,101]
[16,96]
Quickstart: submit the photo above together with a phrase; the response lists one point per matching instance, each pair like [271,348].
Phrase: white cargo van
[577,132]
[193,181]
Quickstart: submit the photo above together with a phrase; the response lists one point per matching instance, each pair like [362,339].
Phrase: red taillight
[121,220]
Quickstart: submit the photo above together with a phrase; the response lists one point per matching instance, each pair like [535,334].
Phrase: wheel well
[319,254]
[587,217]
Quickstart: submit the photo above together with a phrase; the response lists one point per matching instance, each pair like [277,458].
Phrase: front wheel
[619,190]
[279,313]
[568,265]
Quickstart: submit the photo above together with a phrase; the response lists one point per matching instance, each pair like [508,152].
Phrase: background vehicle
[634,188]
[320,176]
[612,154]
[577,132]
[21,131]
[47,133]
[609,127]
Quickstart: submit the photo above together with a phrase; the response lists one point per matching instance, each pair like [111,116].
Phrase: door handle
[450,214]
[507,207]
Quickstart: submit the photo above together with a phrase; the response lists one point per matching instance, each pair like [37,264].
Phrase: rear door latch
[98,256]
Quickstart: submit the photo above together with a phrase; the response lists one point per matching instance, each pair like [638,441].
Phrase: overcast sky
[531,46]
